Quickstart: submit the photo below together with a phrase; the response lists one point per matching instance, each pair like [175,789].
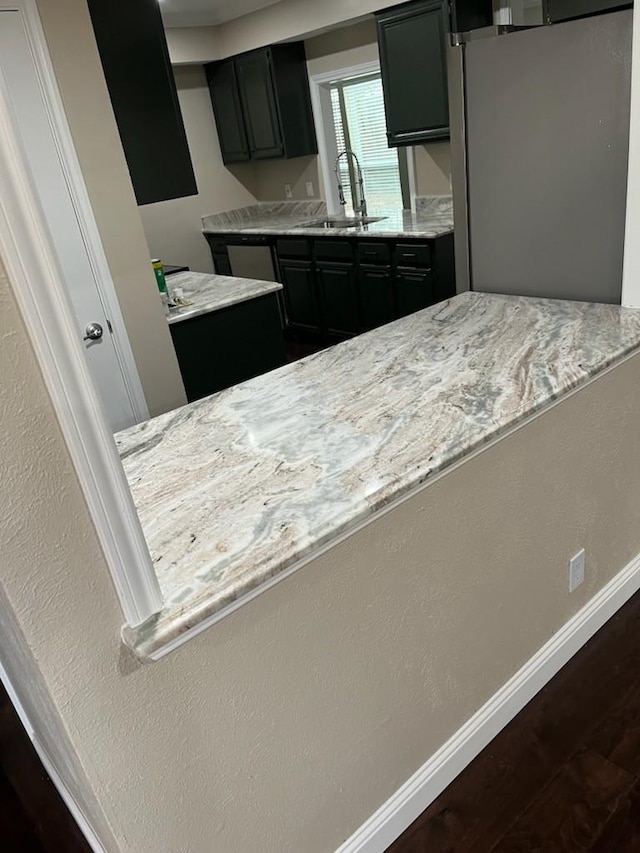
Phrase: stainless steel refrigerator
[540,132]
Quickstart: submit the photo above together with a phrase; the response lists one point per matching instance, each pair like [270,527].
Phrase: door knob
[93,332]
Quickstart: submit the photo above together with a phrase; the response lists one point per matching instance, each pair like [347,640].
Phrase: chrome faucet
[361,207]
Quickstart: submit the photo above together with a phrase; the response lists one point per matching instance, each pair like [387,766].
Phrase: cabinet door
[414,291]
[224,347]
[413,63]
[339,298]
[301,302]
[376,296]
[227,109]
[565,10]
[135,60]
[257,93]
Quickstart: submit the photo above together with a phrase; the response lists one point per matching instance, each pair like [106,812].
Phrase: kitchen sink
[344,222]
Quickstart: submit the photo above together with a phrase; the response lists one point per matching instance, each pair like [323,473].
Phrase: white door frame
[49,320]
[323,118]
[631,271]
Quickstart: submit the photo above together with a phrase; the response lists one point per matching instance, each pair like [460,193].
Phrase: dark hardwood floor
[564,775]
[298,345]
[33,817]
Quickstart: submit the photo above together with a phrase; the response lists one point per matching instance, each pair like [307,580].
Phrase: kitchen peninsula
[244,487]
[230,330]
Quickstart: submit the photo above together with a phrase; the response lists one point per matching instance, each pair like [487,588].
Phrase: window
[359,124]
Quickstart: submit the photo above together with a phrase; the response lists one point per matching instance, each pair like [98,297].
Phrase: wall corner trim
[418,792]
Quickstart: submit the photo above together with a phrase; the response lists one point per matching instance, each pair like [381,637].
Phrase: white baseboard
[69,801]
[409,801]
[76,813]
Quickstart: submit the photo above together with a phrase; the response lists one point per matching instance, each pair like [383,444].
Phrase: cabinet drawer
[413,255]
[333,250]
[373,253]
[293,249]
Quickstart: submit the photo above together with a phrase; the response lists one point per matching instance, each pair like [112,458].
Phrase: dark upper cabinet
[258,96]
[227,107]
[469,15]
[262,104]
[564,10]
[413,61]
[135,60]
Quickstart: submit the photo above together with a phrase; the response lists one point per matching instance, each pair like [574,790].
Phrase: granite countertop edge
[177,622]
[371,232]
[164,629]
[210,292]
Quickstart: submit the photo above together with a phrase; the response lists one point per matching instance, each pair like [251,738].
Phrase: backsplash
[274,209]
[438,205]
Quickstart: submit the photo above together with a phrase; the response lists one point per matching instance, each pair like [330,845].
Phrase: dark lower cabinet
[414,290]
[376,296]
[225,347]
[300,295]
[412,39]
[338,288]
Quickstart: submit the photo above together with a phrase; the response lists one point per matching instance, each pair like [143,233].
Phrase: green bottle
[159,271]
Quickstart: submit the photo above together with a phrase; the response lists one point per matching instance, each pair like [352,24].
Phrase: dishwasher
[251,256]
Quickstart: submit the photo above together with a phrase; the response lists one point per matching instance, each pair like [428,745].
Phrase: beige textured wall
[433,168]
[86,101]
[173,228]
[287,724]
[291,19]
[340,48]
[272,175]
[192,45]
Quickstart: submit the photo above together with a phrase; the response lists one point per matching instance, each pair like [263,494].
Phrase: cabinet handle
[377,275]
[409,255]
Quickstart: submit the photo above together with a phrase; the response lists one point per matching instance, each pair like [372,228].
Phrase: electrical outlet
[310,191]
[287,191]
[576,570]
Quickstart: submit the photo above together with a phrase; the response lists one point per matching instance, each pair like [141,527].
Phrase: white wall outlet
[576,570]
[287,191]
[310,191]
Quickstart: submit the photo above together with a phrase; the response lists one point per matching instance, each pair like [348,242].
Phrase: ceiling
[202,13]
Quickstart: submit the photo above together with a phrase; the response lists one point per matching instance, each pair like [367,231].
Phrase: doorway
[55,184]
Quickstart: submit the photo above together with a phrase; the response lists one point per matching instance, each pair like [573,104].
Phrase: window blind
[360,103]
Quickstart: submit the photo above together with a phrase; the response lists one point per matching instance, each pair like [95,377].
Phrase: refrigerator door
[547,122]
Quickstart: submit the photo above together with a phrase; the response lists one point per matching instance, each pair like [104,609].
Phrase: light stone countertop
[433,218]
[236,488]
[210,292]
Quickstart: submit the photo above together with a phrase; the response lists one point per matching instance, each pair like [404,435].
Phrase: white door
[109,357]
